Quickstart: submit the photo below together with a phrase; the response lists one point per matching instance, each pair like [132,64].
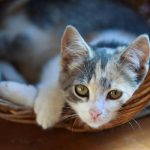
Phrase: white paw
[48,110]
[46,118]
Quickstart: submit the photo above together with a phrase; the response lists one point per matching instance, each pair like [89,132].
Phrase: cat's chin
[100,122]
[96,125]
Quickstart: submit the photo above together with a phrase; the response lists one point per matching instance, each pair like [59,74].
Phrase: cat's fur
[98,68]
[115,59]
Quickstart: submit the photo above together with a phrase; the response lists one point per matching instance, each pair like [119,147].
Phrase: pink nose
[95,113]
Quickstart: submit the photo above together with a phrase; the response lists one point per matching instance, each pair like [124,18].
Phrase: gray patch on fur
[105,83]
[87,70]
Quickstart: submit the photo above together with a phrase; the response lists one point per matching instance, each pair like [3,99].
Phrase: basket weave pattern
[13,112]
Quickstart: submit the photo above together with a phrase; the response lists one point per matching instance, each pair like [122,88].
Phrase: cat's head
[97,84]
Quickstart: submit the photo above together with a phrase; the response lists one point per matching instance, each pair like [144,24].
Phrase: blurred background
[141,6]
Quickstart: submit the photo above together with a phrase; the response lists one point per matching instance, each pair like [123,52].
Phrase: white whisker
[138,124]
[131,125]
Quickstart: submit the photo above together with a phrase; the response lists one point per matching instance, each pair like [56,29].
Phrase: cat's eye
[114,94]
[82,90]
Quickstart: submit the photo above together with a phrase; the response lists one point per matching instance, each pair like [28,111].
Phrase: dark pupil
[115,93]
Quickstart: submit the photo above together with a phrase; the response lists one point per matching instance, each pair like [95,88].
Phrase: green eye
[82,90]
[114,94]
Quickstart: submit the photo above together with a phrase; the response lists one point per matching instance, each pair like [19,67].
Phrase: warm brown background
[30,137]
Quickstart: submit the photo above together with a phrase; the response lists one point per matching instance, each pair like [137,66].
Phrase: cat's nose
[95,113]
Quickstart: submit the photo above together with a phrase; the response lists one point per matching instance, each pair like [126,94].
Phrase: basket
[16,113]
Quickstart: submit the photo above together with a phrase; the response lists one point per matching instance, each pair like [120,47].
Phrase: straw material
[13,112]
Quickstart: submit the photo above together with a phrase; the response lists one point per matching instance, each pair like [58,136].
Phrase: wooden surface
[30,137]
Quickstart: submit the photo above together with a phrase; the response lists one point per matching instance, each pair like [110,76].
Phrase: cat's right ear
[73,48]
[136,57]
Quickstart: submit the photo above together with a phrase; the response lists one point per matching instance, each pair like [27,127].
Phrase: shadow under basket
[16,113]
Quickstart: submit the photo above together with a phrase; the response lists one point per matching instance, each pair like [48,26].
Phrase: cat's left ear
[137,55]
[73,47]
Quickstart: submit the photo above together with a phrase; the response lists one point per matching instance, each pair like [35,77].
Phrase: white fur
[10,73]
[49,101]
[18,93]
[108,111]
[13,89]
[113,35]
[48,106]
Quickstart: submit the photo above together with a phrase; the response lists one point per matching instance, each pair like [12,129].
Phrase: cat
[95,81]
[94,78]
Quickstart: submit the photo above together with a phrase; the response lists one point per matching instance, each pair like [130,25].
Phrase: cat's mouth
[93,120]
[99,122]
[95,123]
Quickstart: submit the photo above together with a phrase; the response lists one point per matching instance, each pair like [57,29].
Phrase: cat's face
[97,84]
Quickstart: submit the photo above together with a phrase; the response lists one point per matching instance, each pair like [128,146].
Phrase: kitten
[94,80]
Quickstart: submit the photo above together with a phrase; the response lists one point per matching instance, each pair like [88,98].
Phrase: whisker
[70,117]
[74,124]
[138,124]
[75,67]
[131,125]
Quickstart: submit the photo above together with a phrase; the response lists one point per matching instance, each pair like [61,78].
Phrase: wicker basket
[20,114]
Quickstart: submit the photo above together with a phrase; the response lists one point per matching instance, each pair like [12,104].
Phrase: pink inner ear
[70,35]
[73,48]
[138,52]
[141,48]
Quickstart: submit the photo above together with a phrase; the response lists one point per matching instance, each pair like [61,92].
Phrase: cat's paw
[48,111]
[46,118]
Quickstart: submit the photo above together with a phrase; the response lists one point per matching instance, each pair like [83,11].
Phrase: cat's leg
[9,73]
[47,102]
[18,93]
[50,100]
[48,106]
